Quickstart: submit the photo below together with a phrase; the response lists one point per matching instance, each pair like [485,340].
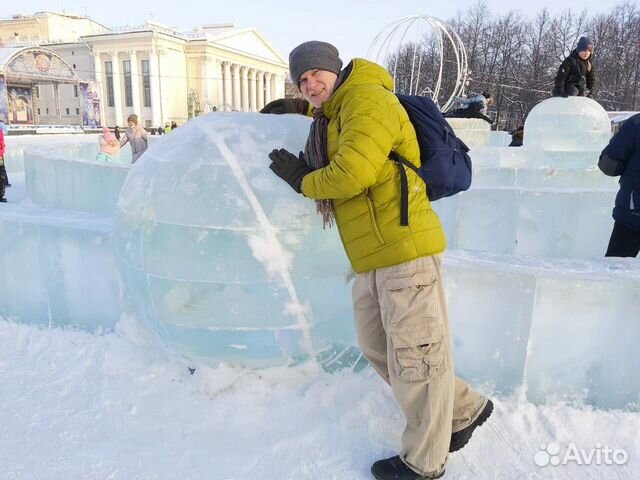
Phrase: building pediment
[249,42]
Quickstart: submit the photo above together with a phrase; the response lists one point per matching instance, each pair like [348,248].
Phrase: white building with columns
[158,73]
[163,76]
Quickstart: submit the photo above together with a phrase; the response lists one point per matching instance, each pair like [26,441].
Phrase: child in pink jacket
[109,147]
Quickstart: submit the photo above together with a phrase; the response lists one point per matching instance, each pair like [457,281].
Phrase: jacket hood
[359,72]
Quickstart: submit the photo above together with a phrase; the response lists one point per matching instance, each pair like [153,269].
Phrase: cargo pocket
[418,346]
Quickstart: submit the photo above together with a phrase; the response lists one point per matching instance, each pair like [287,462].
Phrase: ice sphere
[567,124]
[221,257]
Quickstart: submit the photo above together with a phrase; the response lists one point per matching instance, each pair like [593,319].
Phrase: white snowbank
[79,406]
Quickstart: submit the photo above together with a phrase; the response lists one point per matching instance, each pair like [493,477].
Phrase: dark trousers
[3,177]
[624,242]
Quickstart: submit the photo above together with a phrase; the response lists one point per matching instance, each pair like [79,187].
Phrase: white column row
[119,106]
[233,87]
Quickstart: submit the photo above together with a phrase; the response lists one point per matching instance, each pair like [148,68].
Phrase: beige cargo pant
[403,330]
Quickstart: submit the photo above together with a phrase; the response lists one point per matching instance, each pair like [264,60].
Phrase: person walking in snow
[3,171]
[109,147]
[576,75]
[398,295]
[621,157]
[136,136]
[3,168]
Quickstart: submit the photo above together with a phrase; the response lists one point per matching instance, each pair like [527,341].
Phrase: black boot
[395,469]
[461,438]
[3,200]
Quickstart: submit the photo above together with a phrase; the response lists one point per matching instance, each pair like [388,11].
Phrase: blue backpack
[444,164]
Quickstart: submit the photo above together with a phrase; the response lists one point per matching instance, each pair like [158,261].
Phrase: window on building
[67,111]
[74,66]
[128,91]
[75,91]
[38,111]
[77,111]
[146,83]
[108,70]
[47,111]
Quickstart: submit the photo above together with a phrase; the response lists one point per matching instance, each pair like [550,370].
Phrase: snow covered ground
[76,405]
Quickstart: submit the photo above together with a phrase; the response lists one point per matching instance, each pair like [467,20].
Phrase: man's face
[584,55]
[317,86]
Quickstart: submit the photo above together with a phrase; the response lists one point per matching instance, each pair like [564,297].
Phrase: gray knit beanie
[311,55]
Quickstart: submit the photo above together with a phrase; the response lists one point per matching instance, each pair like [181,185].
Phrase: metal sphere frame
[384,40]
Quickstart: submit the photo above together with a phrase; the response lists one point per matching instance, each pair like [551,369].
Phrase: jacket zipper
[372,216]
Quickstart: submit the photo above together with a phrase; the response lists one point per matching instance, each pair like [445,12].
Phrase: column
[260,89]
[117,90]
[220,86]
[154,78]
[97,66]
[252,90]
[56,101]
[267,88]
[204,80]
[226,79]
[165,91]
[274,87]
[236,87]
[136,80]
[244,81]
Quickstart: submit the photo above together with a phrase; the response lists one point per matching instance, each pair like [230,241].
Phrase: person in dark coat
[517,136]
[474,107]
[576,75]
[622,157]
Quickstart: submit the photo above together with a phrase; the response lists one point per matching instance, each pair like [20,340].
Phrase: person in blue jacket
[622,158]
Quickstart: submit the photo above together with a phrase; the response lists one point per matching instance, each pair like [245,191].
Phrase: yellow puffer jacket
[367,122]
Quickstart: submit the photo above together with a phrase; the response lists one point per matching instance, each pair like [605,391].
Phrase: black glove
[288,167]
[287,105]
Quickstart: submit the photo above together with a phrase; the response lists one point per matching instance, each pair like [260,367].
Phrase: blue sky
[351,25]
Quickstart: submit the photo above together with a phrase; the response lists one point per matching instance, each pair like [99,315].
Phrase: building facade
[160,74]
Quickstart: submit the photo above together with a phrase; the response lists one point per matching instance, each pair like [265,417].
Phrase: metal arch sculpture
[392,38]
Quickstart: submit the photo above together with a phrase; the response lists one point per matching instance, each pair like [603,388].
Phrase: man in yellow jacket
[398,295]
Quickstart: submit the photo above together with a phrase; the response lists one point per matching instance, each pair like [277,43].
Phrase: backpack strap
[404,186]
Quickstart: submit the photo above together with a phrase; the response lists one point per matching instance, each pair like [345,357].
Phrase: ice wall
[562,328]
[60,177]
[476,132]
[547,222]
[58,268]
